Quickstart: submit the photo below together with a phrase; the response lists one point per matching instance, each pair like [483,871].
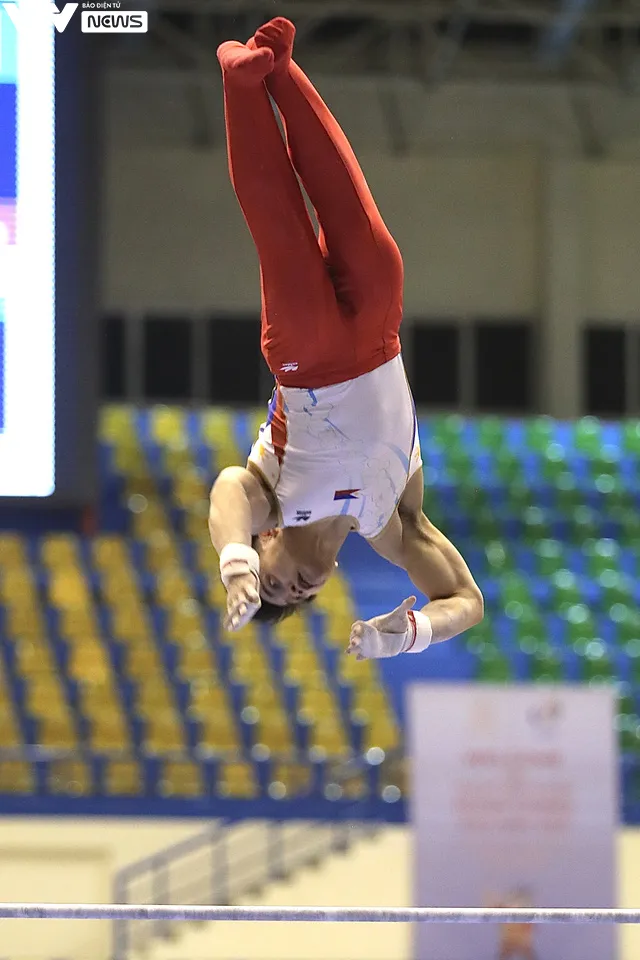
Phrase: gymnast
[339,451]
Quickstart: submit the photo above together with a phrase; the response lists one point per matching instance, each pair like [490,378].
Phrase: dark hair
[272,612]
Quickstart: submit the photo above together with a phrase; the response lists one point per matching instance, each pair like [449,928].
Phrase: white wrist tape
[237,559]
[420,632]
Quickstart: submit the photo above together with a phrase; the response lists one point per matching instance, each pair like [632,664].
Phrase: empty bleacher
[113,657]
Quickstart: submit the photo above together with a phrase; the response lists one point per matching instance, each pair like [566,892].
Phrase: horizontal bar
[93,911]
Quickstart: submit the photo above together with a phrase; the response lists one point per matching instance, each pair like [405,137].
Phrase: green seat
[447,430]
[539,432]
[596,666]
[554,462]
[515,589]
[491,433]
[499,560]
[549,557]
[628,519]
[584,524]
[616,588]
[460,465]
[535,523]
[493,666]
[601,555]
[588,436]
[545,666]
[580,625]
[627,724]
[631,436]
[568,495]
[486,524]
[508,466]
[627,620]
[566,589]
[480,637]
[518,498]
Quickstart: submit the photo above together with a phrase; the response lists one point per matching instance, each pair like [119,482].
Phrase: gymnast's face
[289,575]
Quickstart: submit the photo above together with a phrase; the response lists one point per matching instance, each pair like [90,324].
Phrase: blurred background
[146,755]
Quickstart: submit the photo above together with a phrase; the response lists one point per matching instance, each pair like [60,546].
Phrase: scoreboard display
[27,255]
[47,387]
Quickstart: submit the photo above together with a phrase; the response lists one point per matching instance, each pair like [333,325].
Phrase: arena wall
[62,860]
[470,198]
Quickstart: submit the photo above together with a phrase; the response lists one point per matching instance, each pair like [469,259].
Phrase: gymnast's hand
[243,600]
[384,636]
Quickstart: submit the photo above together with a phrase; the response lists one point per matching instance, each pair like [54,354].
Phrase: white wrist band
[420,632]
[237,559]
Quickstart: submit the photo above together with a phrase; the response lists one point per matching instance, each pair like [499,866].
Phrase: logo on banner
[545,717]
[98,17]
[60,18]
[132,21]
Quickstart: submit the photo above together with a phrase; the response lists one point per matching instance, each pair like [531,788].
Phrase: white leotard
[344,450]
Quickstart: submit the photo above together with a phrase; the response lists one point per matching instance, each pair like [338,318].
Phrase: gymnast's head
[292,571]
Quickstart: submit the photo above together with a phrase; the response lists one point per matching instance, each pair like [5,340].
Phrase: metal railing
[222,865]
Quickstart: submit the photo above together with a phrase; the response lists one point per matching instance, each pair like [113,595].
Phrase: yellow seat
[190,489]
[59,549]
[109,552]
[195,661]
[314,703]
[357,672]
[153,696]
[382,732]
[123,778]
[294,629]
[195,523]
[184,620]
[116,424]
[164,733]
[57,731]
[207,697]
[16,776]
[216,593]
[24,622]
[44,696]
[168,426]
[142,661]
[249,663]
[173,587]
[262,695]
[237,779]
[218,733]
[274,732]
[98,697]
[129,624]
[327,735]
[295,778]
[33,658]
[12,550]
[181,779]
[108,733]
[9,730]
[70,778]
[152,520]
[69,589]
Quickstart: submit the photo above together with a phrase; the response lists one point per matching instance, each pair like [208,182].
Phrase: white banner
[514,803]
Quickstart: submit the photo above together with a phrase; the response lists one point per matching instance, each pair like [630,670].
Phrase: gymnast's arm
[434,565]
[238,508]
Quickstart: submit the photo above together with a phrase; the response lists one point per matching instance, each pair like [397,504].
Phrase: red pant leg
[363,259]
[298,298]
